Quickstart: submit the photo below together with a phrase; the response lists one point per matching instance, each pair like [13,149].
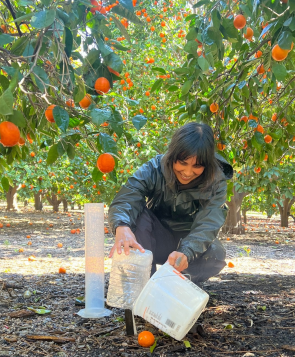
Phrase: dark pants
[152,235]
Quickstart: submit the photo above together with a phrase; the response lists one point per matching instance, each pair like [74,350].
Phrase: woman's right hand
[125,238]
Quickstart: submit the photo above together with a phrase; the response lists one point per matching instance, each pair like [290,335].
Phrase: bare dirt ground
[251,311]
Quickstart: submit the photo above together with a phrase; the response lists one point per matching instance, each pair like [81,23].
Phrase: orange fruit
[268,139]
[249,33]
[102,85]
[257,170]
[32,258]
[239,22]
[4,28]
[274,117]
[278,54]
[21,141]
[105,163]
[62,270]
[259,129]
[21,250]
[59,245]
[258,54]
[244,118]
[146,339]
[260,69]
[85,102]
[28,236]
[9,134]
[70,103]
[29,243]
[7,224]
[221,146]
[73,231]
[230,265]
[29,138]
[49,113]
[214,107]
[153,107]
[32,154]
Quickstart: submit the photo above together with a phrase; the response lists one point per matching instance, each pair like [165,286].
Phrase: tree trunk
[26,203]
[79,206]
[285,210]
[233,222]
[65,205]
[11,198]
[244,211]
[54,201]
[72,205]
[38,201]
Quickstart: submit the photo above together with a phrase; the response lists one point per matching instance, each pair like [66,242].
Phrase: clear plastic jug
[129,274]
[171,302]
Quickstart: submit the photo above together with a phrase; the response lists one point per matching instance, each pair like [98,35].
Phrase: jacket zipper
[174,203]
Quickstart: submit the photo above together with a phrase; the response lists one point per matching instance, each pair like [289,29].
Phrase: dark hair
[192,139]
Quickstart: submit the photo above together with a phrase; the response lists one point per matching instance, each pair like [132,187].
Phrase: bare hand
[125,238]
[178,260]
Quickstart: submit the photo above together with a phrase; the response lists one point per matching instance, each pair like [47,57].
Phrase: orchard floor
[251,311]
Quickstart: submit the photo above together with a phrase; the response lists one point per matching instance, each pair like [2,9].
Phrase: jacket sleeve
[207,224]
[131,199]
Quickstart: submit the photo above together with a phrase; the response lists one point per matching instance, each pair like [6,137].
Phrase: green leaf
[61,118]
[43,18]
[120,10]
[191,47]
[259,138]
[203,63]
[229,327]
[40,77]
[127,4]
[5,184]
[6,103]
[173,88]
[279,71]
[285,40]
[121,28]
[104,49]
[96,175]
[79,90]
[71,151]
[18,119]
[139,121]
[187,344]
[39,311]
[264,31]
[158,69]
[118,45]
[4,82]
[107,143]
[245,92]
[14,81]
[23,17]
[5,39]
[186,87]
[19,46]
[252,123]
[132,102]
[100,116]
[68,42]
[200,3]
[61,147]
[157,85]
[153,347]
[52,155]
[114,61]
[181,70]
[117,123]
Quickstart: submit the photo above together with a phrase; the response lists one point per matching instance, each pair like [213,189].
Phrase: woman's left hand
[178,260]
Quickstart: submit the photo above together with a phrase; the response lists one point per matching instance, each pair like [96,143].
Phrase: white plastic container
[171,302]
[129,274]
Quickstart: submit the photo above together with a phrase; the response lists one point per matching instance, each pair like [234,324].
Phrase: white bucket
[171,302]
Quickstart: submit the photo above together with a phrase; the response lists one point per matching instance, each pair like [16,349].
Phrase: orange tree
[224,64]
